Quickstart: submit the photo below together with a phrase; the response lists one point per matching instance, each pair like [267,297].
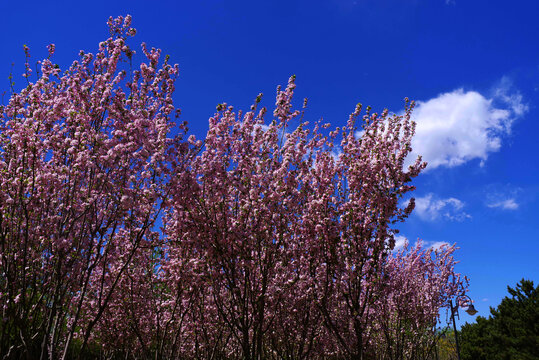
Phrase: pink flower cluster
[262,241]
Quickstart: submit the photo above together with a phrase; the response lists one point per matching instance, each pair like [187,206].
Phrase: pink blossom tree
[347,225]
[267,240]
[240,218]
[289,231]
[85,163]
[418,283]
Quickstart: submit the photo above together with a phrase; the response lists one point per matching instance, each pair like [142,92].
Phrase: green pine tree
[512,330]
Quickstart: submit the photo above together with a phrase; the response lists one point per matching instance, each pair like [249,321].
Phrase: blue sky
[473,67]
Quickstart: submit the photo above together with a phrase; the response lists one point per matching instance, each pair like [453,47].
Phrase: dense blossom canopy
[269,239]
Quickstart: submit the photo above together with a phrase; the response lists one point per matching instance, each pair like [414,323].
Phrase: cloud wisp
[503,197]
[432,208]
[401,241]
[507,204]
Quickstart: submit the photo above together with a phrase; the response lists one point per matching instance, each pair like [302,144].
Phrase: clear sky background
[472,66]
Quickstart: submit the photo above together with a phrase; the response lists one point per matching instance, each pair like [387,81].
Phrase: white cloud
[505,197]
[432,208]
[514,99]
[437,245]
[400,242]
[264,127]
[507,204]
[336,153]
[456,127]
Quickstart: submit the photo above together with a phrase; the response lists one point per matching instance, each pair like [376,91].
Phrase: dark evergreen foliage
[511,332]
